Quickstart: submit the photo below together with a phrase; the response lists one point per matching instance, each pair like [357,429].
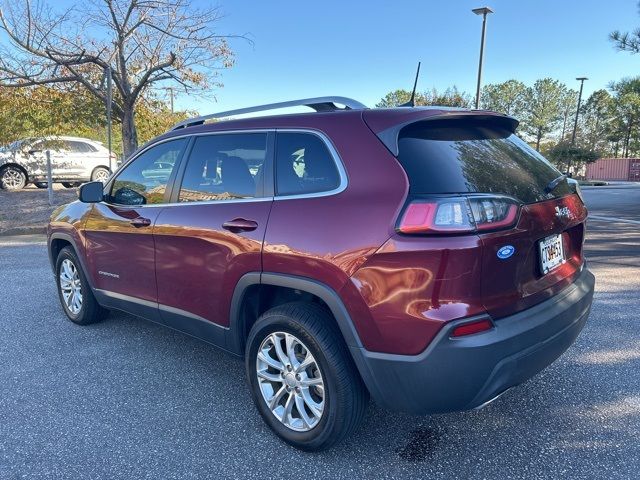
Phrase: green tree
[626,41]
[45,111]
[451,97]
[597,120]
[627,104]
[398,97]
[568,106]
[543,108]
[565,155]
[507,97]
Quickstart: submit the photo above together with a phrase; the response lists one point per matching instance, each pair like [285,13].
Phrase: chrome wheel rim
[290,381]
[102,176]
[70,286]
[12,178]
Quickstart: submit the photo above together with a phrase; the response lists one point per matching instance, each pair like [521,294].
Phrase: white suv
[73,161]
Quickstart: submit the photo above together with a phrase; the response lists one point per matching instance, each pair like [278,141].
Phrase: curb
[10,232]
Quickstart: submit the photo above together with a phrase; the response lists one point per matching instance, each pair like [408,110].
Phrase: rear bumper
[464,373]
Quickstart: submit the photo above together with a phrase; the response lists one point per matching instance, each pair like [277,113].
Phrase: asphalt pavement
[129,399]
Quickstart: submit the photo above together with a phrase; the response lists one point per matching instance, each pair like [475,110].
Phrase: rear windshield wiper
[554,183]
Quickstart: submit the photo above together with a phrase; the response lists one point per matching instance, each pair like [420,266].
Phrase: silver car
[73,161]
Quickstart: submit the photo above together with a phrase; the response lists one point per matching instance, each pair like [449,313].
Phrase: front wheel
[12,178]
[74,291]
[302,378]
[70,185]
[41,184]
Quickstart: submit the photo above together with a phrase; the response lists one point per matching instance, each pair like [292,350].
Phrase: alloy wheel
[101,175]
[70,286]
[290,381]
[12,179]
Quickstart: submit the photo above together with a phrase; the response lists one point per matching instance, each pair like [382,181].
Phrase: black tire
[12,178]
[345,397]
[100,174]
[90,311]
[70,185]
[41,184]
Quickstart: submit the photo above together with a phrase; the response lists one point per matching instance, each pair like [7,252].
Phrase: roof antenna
[411,102]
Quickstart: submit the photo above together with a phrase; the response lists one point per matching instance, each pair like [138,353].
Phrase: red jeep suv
[427,257]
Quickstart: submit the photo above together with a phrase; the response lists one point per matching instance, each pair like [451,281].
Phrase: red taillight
[459,214]
[472,327]
[426,217]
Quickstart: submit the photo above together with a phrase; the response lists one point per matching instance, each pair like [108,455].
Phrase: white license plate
[551,253]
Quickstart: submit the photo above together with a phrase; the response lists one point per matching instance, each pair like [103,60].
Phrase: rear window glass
[304,165]
[441,157]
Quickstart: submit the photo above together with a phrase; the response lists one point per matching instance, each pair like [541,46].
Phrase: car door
[79,157]
[118,231]
[34,158]
[212,234]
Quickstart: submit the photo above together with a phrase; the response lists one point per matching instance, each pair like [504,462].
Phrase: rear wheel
[100,174]
[302,378]
[41,184]
[74,291]
[12,178]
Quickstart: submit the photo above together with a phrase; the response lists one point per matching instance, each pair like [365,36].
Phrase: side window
[51,144]
[81,147]
[145,179]
[304,165]
[76,147]
[224,167]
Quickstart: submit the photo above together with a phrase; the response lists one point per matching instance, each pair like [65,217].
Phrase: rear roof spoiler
[389,135]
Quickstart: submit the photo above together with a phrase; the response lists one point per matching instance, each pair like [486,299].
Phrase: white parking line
[615,219]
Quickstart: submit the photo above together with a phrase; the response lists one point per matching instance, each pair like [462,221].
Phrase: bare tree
[140,42]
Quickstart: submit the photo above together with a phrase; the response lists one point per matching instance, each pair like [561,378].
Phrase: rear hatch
[526,258]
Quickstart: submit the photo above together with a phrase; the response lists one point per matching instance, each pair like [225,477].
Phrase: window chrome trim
[344,179]
[189,135]
[337,160]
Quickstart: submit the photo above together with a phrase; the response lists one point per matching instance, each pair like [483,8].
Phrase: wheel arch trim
[324,292]
[68,238]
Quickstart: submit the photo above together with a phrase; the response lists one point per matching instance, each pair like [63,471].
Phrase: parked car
[425,257]
[73,161]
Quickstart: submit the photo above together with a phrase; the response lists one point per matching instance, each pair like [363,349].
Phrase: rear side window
[471,157]
[225,167]
[81,147]
[304,165]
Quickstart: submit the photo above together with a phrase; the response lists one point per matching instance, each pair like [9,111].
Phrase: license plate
[551,253]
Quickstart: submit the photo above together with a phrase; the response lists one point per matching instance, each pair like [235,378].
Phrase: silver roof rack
[319,104]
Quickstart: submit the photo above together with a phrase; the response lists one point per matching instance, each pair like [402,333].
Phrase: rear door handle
[240,225]
[140,222]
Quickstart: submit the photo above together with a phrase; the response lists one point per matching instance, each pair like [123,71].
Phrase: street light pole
[484,11]
[109,106]
[575,123]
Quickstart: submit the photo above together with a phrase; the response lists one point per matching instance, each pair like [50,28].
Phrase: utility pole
[109,102]
[49,177]
[575,123]
[484,11]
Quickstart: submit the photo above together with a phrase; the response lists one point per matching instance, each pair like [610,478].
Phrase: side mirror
[92,192]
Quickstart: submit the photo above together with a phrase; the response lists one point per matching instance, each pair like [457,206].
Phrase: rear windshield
[462,157]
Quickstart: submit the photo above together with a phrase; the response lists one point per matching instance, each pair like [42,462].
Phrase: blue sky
[365,49]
